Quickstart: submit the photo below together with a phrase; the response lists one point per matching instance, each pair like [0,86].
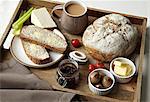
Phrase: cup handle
[58,7]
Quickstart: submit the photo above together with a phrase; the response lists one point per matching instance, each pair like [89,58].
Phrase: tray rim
[137,94]
[4,35]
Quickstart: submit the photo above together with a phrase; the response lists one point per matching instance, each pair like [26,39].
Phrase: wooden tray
[122,92]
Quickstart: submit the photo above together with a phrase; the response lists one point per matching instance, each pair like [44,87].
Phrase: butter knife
[9,39]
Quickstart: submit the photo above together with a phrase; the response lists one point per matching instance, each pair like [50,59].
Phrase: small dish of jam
[68,73]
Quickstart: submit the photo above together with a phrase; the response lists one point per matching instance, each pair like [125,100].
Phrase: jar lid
[78,56]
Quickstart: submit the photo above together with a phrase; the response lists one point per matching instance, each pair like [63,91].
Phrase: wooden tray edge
[137,96]
[89,95]
[139,79]
[4,35]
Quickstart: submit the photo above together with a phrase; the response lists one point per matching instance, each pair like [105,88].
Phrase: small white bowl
[123,79]
[97,90]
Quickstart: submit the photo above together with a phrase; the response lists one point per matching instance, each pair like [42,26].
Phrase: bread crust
[59,50]
[98,55]
[29,39]
[38,61]
[110,36]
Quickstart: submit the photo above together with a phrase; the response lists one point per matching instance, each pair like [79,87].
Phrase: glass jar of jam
[68,73]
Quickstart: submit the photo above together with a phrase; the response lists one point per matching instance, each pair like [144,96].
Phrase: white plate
[19,54]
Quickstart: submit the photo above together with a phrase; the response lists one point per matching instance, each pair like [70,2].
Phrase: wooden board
[122,92]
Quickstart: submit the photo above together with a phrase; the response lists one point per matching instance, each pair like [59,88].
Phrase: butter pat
[120,70]
[117,63]
[129,70]
[41,18]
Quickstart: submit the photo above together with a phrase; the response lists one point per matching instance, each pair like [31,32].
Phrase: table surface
[138,7]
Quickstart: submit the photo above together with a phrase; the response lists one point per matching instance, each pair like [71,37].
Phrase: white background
[134,7]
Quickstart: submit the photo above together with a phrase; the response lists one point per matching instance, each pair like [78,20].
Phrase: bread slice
[36,53]
[43,37]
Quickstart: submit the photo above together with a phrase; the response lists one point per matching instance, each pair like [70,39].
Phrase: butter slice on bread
[43,37]
[36,53]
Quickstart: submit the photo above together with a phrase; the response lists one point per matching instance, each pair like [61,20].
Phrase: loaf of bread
[43,37]
[36,53]
[110,36]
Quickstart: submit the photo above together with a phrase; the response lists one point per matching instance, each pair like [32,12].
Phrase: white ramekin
[123,79]
[97,90]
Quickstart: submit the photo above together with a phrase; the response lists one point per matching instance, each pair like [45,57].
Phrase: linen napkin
[18,84]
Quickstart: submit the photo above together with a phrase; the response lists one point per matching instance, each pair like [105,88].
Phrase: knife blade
[9,39]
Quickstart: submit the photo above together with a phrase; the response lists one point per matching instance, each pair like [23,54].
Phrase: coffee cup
[74,18]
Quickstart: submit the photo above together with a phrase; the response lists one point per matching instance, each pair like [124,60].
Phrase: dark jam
[68,69]
[68,75]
